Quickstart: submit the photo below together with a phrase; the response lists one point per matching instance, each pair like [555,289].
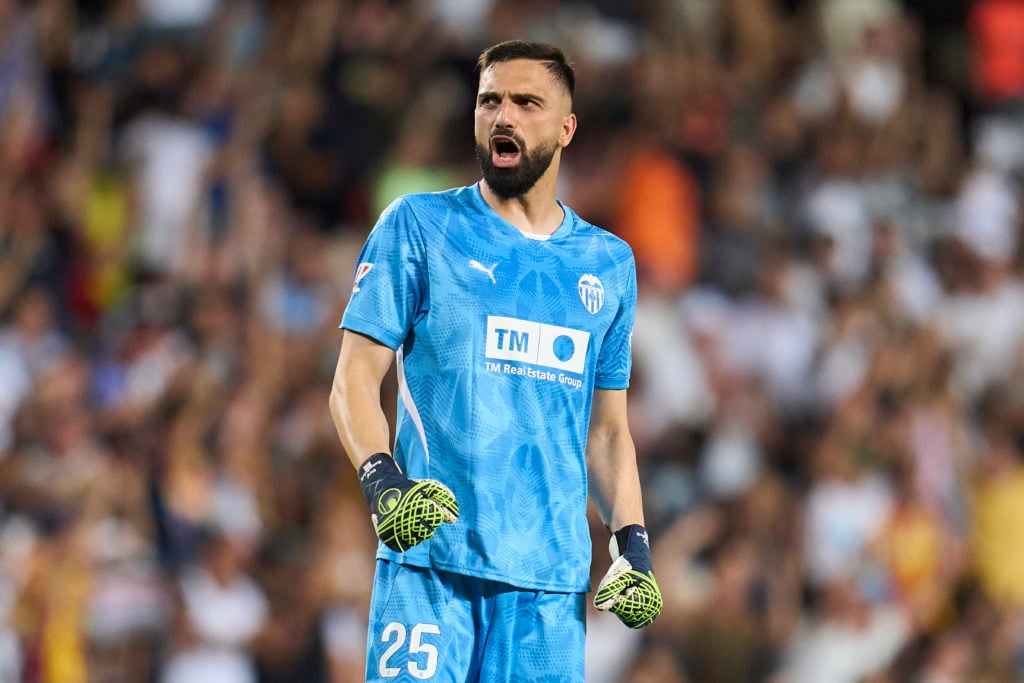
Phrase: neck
[536,212]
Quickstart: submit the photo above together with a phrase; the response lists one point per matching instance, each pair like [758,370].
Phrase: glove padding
[629,590]
[405,512]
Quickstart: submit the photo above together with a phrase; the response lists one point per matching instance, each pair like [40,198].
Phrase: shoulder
[412,212]
[434,217]
[616,247]
[433,202]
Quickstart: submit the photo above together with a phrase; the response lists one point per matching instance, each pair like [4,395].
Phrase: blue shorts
[428,625]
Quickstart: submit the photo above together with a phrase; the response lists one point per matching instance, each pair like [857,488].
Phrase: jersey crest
[591,293]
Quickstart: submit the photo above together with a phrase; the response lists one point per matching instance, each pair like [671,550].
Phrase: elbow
[610,436]
[335,400]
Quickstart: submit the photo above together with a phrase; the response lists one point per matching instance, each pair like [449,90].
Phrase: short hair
[553,58]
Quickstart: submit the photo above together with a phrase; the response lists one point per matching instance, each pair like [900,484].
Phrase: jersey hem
[611,383]
[385,554]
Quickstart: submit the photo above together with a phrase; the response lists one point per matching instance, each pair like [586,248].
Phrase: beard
[509,183]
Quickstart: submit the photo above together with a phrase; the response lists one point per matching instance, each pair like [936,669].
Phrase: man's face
[523,117]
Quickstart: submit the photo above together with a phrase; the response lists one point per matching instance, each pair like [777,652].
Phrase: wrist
[374,463]
[631,542]
[378,473]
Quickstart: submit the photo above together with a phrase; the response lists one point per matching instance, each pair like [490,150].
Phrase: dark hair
[552,57]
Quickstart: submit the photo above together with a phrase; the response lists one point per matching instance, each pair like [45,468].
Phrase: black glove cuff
[632,542]
[378,473]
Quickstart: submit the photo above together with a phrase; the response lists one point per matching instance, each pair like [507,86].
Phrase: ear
[568,130]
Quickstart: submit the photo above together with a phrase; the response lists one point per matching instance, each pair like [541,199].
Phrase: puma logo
[476,265]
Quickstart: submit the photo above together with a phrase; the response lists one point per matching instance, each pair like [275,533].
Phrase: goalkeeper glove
[405,512]
[629,590]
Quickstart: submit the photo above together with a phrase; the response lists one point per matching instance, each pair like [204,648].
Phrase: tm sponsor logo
[556,352]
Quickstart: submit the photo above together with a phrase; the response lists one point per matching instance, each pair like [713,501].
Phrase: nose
[504,117]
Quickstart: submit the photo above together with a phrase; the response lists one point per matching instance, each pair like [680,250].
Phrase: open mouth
[504,151]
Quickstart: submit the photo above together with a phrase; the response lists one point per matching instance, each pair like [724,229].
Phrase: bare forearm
[614,480]
[360,421]
[611,462]
[355,398]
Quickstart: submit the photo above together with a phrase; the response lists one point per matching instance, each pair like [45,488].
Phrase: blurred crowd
[825,202]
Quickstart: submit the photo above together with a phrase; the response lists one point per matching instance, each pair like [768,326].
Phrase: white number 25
[396,631]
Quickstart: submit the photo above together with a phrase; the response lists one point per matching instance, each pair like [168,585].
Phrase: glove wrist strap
[631,542]
[378,473]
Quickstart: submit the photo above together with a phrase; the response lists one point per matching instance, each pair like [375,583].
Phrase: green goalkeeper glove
[405,512]
[629,590]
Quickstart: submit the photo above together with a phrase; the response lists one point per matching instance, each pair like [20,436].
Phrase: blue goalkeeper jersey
[501,340]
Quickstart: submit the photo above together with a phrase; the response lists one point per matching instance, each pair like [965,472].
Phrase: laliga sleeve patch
[361,270]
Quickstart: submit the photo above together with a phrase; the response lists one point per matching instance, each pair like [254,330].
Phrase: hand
[405,512]
[629,590]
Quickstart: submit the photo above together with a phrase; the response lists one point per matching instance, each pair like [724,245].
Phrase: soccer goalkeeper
[510,318]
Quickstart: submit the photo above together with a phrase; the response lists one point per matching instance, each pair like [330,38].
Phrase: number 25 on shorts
[395,633]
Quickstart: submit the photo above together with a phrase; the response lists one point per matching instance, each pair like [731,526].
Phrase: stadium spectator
[183,191]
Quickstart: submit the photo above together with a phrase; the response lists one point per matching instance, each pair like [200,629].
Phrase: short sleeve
[388,291]
[616,357]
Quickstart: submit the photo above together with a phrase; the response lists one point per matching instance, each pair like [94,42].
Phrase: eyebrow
[516,97]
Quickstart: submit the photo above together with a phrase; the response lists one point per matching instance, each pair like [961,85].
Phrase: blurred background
[825,202]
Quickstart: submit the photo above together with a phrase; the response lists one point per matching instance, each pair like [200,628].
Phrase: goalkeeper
[510,318]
